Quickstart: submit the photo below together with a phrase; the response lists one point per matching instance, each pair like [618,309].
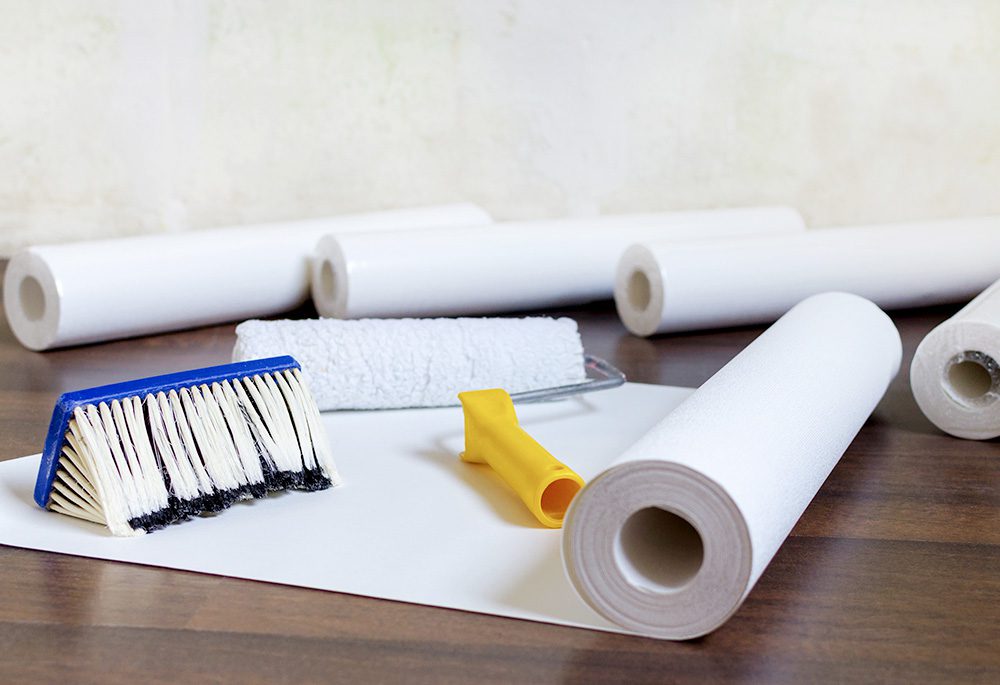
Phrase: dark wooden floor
[892,574]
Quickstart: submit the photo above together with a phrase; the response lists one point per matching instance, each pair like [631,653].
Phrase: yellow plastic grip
[493,436]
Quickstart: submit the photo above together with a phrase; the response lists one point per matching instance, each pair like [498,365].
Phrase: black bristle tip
[178,510]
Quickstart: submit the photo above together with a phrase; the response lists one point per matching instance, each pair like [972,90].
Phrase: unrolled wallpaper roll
[59,295]
[506,267]
[396,363]
[670,539]
[955,373]
[662,287]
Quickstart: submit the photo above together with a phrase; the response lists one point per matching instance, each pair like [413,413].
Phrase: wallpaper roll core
[506,267]
[663,287]
[669,540]
[955,374]
[74,293]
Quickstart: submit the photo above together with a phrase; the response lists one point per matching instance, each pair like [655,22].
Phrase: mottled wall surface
[127,117]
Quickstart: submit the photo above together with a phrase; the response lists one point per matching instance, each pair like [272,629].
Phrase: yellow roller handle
[493,436]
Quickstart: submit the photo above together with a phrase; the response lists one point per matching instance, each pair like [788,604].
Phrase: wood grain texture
[892,574]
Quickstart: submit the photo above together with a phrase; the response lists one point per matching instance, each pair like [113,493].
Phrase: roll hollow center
[638,290]
[972,378]
[327,280]
[659,550]
[32,298]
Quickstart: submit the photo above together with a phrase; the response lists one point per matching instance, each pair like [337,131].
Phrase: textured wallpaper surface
[162,115]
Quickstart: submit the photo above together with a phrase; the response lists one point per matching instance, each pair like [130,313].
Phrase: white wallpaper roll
[663,287]
[670,539]
[506,267]
[399,363]
[955,376]
[58,295]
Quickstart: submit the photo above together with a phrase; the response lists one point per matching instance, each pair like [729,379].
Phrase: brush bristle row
[139,464]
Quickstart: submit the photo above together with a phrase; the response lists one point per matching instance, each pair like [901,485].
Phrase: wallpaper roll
[398,363]
[670,539]
[506,267]
[663,287]
[59,295]
[955,376]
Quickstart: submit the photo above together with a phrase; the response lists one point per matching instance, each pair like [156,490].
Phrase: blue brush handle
[69,401]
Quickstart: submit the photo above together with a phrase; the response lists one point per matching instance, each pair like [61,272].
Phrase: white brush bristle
[139,464]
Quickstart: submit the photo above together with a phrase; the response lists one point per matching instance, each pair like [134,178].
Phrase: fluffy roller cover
[395,363]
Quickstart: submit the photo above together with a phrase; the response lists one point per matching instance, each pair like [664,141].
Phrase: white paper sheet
[955,374]
[411,523]
[666,287]
[75,293]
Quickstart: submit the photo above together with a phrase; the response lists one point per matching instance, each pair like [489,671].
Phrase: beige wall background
[166,115]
